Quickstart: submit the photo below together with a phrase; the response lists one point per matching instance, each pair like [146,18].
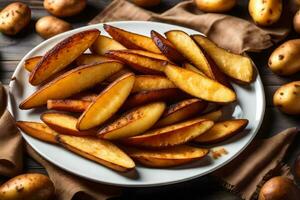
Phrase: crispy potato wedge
[171,135]
[181,111]
[88,59]
[140,63]
[62,54]
[170,157]
[38,130]
[107,103]
[131,40]
[71,105]
[233,65]
[85,96]
[100,151]
[192,68]
[151,82]
[199,86]
[222,130]
[64,124]
[166,47]
[214,115]
[144,97]
[134,122]
[71,82]
[104,44]
[148,54]
[30,63]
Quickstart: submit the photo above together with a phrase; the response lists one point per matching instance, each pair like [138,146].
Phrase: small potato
[49,26]
[296,22]
[285,59]
[64,8]
[14,17]
[287,98]
[146,3]
[265,12]
[27,186]
[215,5]
[279,188]
[297,167]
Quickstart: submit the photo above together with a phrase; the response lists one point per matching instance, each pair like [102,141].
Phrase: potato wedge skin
[30,186]
[88,59]
[30,63]
[38,130]
[104,44]
[171,135]
[98,150]
[107,103]
[148,54]
[73,82]
[222,131]
[199,86]
[62,54]
[71,105]
[131,40]
[170,157]
[192,68]
[214,115]
[134,122]
[150,82]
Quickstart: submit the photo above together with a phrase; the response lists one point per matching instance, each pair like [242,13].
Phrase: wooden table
[12,49]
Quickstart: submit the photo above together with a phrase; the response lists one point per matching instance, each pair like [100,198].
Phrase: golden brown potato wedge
[134,122]
[214,115]
[148,54]
[62,54]
[104,44]
[181,111]
[71,105]
[199,86]
[85,96]
[138,62]
[151,82]
[38,130]
[171,135]
[88,59]
[131,40]
[166,47]
[64,124]
[222,130]
[192,68]
[107,103]
[170,157]
[72,82]
[233,65]
[30,63]
[100,151]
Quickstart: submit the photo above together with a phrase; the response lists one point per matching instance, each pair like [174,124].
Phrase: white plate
[250,105]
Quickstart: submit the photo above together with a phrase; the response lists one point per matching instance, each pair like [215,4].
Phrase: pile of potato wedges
[155,100]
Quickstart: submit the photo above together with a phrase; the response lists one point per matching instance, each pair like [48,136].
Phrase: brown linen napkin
[233,33]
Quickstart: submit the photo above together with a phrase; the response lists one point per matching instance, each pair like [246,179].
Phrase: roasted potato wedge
[214,115]
[151,82]
[192,68]
[88,59]
[140,63]
[38,130]
[104,44]
[98,150]
[107,103]
[30,63]
[71,105]
[131,40]
[166,47]
[199,86]
[170,157]
[62,54]
[148,54]
[236,66]
[64,124]
[171,135]
[85,96]
[181,111]
[134,122]
[72,82]
[222,130]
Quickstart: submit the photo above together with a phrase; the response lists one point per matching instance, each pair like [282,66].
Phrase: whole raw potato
[215,5]
[27,186]
[14,17]
[49,26]
[279,188]
[64,8]
[285,59]
[146,3]
[265,12]
[287,98]
[296,22]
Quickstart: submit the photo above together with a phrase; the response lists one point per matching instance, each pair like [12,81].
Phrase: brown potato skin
[71,105]
[14,17]
[215,5]
[146,3]
[64,8]
[30,63]
[31,186]
[279,188]
[296,22]
[49,26]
